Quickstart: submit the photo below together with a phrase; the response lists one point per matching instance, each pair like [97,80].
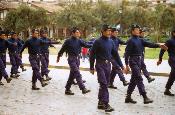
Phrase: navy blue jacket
[34,45]
[171,48]
[20,45]
[104,49]
[135,46]
[72,46]
[45,47]
[117,41]
[14,48]
[3,45]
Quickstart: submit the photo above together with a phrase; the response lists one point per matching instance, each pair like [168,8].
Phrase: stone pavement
[17,98]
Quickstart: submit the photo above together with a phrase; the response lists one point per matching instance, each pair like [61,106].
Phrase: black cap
[43,31]
[142,30]
[114,29]
[34,30]
[12,33]
[74,29]
[133,26]
[105,27]
[2,32]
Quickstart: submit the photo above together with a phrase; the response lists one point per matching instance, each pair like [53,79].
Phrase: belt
[45,53]
[74,56]
[13,52]
[35,54]
[103,61]
[136,56]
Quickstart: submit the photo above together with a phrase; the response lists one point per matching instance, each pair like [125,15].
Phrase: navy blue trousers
[136,78]
[14,60]
[74,63]
[143,67]
[103,74]
[44,64]
[35,63]
[171,78]
[3,72]
[116,70]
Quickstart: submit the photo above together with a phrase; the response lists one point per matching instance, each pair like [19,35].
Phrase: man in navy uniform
[133,57]
[72,47]
[14,54]
[34,48]
[143,65]
[103,51]
[3,48]
[171,53]
[45,55]
[116,69]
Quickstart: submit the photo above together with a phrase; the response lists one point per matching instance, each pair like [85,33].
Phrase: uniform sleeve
[92,55]
[26,44]
[8,43]
[128,51]
[85,44]
[63,48]
[162,51]
[19,44]
[116,55]
[150,45]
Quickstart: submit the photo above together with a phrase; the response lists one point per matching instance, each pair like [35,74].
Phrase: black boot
[1,83]
[14,75]
[34,87]
[48,78]
[101,105]
[8,80]
[128,99]
[84,81]
[108,108]
[150,79]
[167,92]
[84,91]
[17,75]
[111,86]
[125,83]
[69,92]
[22,68]
[43,84]
[146,99]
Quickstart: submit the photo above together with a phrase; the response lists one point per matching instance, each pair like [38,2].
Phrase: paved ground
[17,98]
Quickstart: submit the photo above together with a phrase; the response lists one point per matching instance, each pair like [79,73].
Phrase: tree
[77,14]
[106,13]
[167,19]
[24,18]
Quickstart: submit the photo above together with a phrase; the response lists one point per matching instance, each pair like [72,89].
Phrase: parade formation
[103,58]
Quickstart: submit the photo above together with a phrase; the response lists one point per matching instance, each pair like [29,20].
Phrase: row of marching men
[8,41]
[103,51]
[15,45]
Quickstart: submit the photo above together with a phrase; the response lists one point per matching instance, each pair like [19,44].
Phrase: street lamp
[120,12]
